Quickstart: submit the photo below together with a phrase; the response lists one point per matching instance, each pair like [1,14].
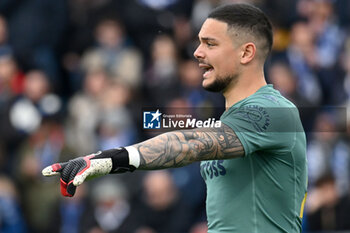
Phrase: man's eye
[210,44]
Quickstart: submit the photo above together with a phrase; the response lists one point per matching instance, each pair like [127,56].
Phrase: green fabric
[264,190]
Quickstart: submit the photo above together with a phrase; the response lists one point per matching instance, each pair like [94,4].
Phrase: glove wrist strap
[134,156]
[121,161]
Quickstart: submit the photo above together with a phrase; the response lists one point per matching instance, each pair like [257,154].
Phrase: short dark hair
[249,18]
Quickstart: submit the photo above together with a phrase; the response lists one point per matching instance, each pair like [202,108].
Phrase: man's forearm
[179,148]
[173,149]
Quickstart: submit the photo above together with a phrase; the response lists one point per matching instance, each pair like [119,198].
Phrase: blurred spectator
[67,214]
[161,81]
[301,57]
[304,8]
[115,127]
[200,11]
[282,13]
[73,73]
[110,212]
[28,116]
[5,47]
[184,36]
[11,77]
[23,114]
[36,102]
[11,85]
[11,219]
[83,16]
[161,209]
[328,35]
[45,146]
[114,53]
[284,80]
[146,19]
[328,153]
[84,111]
[324,207]
[35,30]
[3,31]
[329,38]
[201,227]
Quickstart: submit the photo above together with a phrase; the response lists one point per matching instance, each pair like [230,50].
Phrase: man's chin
[219,84]
[213,87]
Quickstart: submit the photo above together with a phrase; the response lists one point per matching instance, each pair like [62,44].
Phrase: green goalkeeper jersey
[264,191]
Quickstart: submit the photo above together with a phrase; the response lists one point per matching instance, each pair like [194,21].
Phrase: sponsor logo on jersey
[212,169]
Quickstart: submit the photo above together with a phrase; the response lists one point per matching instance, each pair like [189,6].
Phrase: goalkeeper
[254,165]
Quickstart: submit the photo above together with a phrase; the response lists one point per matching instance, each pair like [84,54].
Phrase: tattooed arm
[173,149]
[179,148]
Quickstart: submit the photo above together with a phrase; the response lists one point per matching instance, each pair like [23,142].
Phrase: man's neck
[244,87]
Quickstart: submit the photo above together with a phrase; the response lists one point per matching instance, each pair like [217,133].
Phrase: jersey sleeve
[263,128]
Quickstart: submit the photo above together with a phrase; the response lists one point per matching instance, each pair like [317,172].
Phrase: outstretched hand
[74,172]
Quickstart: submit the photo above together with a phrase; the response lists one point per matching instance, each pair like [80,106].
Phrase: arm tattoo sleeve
[179,148]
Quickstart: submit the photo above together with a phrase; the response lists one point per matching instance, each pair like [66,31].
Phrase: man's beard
[220,84]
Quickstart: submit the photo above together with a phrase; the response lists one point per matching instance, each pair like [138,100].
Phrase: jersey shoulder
[269,97]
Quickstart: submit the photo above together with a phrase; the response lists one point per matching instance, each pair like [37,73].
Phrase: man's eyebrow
[206,39]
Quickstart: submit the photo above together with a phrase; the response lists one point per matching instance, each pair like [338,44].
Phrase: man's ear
[248,52]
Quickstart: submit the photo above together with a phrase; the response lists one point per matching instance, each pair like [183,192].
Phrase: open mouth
[207,69]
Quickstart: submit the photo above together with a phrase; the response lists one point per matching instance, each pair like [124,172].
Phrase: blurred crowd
[75,74]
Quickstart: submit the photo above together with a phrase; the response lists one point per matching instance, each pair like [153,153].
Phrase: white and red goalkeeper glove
[74,172]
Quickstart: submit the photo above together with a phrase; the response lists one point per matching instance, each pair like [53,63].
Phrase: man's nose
[198,53]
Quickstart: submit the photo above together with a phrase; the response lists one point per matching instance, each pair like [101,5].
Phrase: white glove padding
[74,172]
